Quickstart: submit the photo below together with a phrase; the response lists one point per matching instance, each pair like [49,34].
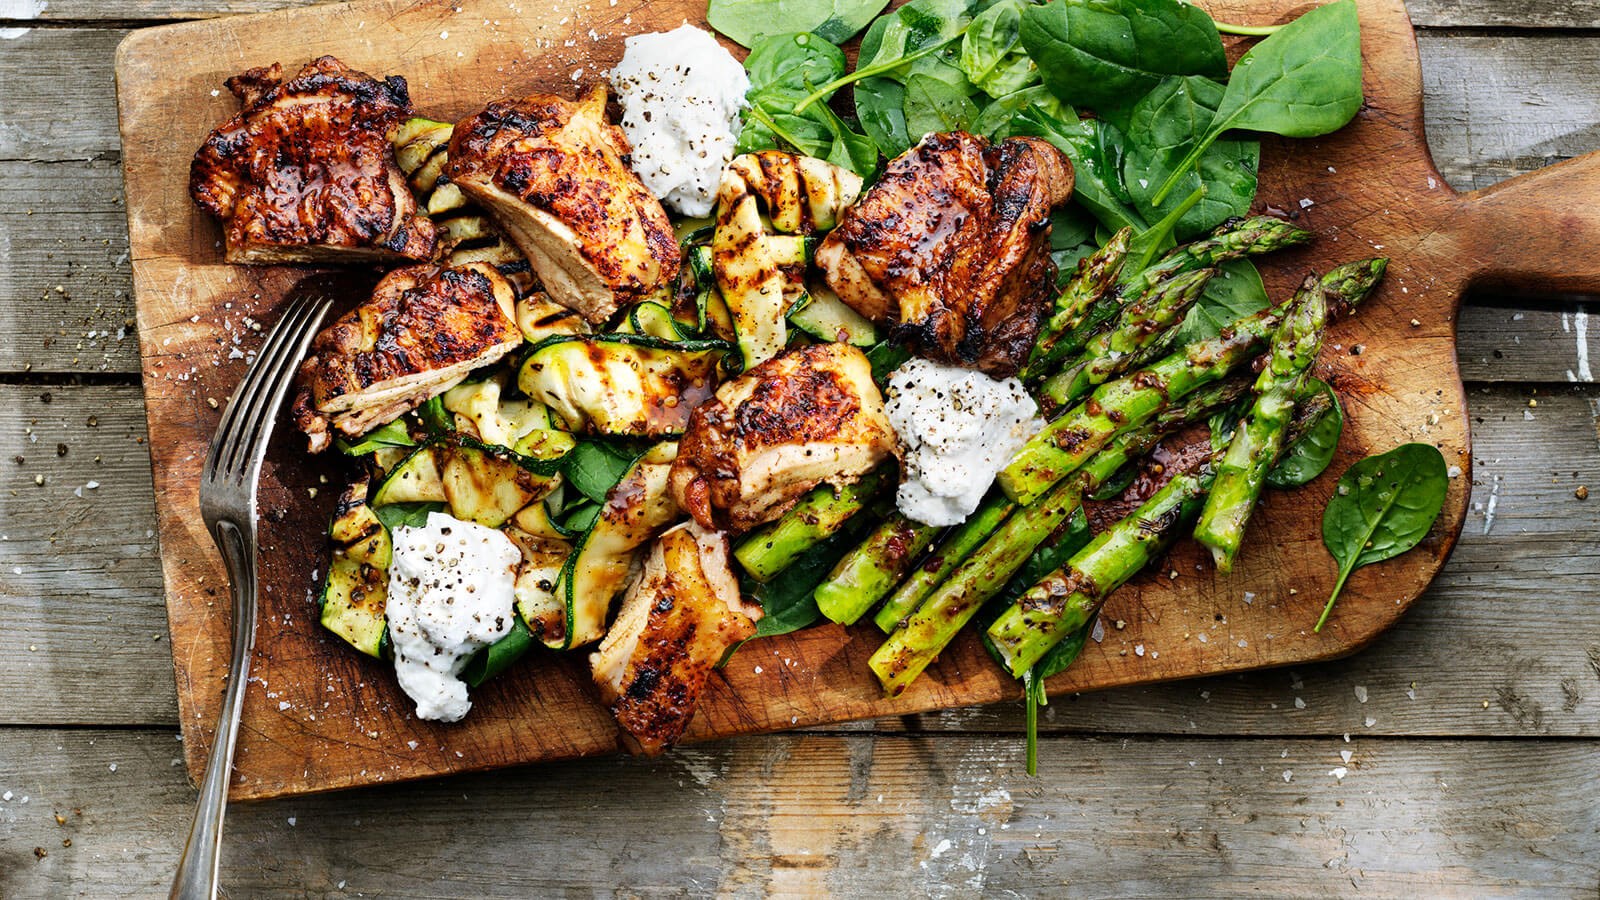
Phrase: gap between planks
[950,815]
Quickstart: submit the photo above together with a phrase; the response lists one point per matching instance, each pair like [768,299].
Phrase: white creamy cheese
[450,593]
[957,428]
[681,94]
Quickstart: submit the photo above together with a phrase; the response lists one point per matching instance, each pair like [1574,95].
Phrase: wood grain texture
[829,815]
[62,220]
[1405,388]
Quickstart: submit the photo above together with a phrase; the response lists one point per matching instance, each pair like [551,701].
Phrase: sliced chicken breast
[951,248]
[677,621]
[806,416]
[554,174]
[424,329]
[305,172]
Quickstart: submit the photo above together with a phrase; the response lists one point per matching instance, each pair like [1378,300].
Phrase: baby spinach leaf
[413,515]
[1302,81]
[992,55]
[1307,457]
[1234,293]
[1095,148]
[995,118]
[391,435]
[782,69]
[498,656]
[1384,505]
[1162,127]
[593,468]
[1070,227]
[880,105]
[916,30]
[1148,245]
[1105,54]
[932,105]
[747,21]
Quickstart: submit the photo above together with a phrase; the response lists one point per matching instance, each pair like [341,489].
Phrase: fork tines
[241,438]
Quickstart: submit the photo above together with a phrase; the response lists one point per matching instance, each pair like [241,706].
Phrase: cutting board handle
[1539,231]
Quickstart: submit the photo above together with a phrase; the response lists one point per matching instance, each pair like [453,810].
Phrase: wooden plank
[1510,339]
[942,816]
[85,636]
[1426,13]
[1476,637]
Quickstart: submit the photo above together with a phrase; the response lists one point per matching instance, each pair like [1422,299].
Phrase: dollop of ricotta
[451,589]
[957,428]
[681,94]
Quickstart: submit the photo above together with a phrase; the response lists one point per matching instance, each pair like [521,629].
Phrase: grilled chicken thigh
[951,248]
[804,417]
[305,172]
[555,175]
[423,330]
[676,622]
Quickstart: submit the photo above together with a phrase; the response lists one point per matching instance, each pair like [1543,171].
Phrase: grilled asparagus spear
[1141,325]
[1261,436]
[1095,275]
[956,546]
[1066,599]
[771,548]
[869,572]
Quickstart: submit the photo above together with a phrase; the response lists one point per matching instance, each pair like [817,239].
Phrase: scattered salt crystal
[92,485]
[1346,754]
[112,767]
[1453,471]
[1299,703]
[1361,693]
[1339,772]
[1371,721]
[1202,637]
[1411,693]
[6,796]
[1243,643]
[444,35]
[1098,633]
[1307,203]
[1249,597]
[283,705]
[758,670]
[291,821]
[1138,650]
[1288,775]
[411,745]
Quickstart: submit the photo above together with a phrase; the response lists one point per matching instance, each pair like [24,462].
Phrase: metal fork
[228,506]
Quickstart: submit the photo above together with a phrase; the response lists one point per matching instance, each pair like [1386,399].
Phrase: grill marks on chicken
[555,175]
[804,417]
[676,623]
[951,248]
[424,329]
[305,172]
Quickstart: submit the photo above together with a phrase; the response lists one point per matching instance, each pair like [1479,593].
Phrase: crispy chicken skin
[951,248]
[305,172]
[804,417]
[676,622]
[554,173]
[424,329]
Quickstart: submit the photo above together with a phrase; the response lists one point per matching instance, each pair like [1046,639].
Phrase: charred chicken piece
[804,417]
[555,175]
[423,330]
[951,248]
[676,622]
[306,173]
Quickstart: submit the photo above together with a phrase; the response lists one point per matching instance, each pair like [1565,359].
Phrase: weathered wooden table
[1457,756]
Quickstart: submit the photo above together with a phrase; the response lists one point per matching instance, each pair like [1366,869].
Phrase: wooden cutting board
[319,717]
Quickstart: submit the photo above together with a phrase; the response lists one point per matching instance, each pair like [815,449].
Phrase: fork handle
[197,869]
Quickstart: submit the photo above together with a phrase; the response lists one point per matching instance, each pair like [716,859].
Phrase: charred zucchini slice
[355,590]
[622,384]
[637,509]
